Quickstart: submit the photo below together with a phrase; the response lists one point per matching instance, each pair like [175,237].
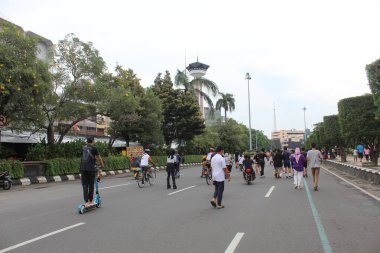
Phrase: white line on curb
[113,186]
[181,190]
[270,192]
[231,248]
[357,187]
[40,237]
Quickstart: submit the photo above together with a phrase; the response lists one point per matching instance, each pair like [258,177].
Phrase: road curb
[370,175]
[72,177]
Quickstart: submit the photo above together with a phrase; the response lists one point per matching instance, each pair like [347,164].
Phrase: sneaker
[168,187]
[174,187]
[295,187]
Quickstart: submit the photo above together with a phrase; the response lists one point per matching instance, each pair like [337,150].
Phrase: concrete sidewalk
[350,160]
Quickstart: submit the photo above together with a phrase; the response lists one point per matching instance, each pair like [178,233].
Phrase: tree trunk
[225,115]
[375,150]
[342,154]
[50,135]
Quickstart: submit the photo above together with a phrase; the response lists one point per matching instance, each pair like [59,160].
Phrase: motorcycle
[249,175]
[5,180]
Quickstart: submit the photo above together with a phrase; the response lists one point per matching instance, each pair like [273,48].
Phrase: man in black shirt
[90,155]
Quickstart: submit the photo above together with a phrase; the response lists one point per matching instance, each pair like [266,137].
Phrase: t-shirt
[314,156]
[209,156]
[286,156]
[355,152]
[228,160]
[248,164]
[366,151]
[88,160]
[171,160]
[145,160]
[277,160]
[241,159]
[218,163]
[360,148]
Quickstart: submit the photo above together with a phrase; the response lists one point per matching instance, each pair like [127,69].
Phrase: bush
[192,158]
[62,166]
[40,152]
[14,167]
[116,163]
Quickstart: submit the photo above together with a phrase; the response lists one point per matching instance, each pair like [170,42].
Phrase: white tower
[198,70]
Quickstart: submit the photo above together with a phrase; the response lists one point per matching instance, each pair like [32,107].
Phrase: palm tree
[181,79]
[227,101]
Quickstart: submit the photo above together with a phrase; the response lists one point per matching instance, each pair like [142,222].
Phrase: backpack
[88,159]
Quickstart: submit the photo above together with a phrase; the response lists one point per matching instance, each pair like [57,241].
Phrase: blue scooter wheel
[81,209]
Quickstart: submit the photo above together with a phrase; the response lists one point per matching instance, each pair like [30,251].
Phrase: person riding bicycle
[145,160]
[240,162]
[248,167]
[204,165]
[229,162]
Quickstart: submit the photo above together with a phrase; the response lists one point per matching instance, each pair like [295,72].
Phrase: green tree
[332,132]
[193,86]
[227,102]
[24,80]
[77,68]
[317,136]
[233,136]
[357,121]
[151,120]
[373,75]
[203,142]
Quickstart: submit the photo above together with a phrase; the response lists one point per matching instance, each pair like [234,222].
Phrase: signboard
[3,121]
[135,151]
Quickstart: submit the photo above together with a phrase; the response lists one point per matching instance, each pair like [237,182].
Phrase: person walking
[90,155]
[287,168]
[314,158]
[360,149]
[219,175]
[304,153]
[298,161]
[366,153]
[355,155]
[171,168]
[277,163]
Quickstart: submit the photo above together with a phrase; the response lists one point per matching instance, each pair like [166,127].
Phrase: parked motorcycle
[5,180]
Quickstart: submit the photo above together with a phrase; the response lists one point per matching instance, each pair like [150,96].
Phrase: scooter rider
[90,155]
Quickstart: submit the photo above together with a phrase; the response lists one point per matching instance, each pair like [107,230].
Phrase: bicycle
[208,176]
[146,176]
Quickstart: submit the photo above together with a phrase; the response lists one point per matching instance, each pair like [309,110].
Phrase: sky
[299,53]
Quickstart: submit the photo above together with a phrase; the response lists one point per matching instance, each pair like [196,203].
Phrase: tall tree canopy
[182,80]
[227,102]
[24,79]
[373,75]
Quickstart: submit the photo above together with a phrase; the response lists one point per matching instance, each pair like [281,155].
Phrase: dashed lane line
[41,237]
[113,186]
[234,243]
[184,189]
[270,191]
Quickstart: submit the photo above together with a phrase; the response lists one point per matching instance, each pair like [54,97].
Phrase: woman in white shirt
[170,168]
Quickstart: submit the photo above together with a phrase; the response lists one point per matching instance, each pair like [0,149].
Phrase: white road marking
[181,190]
[113,186]
[269,192]
[357,187]
[231,248]
[40,237]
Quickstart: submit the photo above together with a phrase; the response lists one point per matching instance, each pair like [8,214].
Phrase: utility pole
[248,77]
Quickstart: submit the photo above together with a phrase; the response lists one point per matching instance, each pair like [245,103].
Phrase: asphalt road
[44,218]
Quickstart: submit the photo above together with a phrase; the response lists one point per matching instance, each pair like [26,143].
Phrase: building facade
[289,138]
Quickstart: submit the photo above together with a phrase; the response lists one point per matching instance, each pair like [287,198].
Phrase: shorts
[287,164]
[277,169]
[360,155]
[315,168]
[229,167]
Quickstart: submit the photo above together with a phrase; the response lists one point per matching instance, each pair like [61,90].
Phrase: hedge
[64,166]
[14,167]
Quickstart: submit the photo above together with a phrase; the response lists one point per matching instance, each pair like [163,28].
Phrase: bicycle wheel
[152,177]
[140,181]
[208,178]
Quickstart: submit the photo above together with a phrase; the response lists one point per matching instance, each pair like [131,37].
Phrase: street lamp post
[248,77]
[304,121]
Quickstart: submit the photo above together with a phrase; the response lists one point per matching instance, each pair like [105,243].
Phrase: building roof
[197,65]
